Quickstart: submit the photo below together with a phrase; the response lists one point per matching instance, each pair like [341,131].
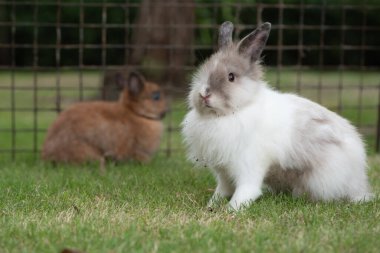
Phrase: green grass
[160,207]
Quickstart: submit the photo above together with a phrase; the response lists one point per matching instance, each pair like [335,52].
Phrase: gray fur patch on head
[216,81]
[221,64]
[230,60]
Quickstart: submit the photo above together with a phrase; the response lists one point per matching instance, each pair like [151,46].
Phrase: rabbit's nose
[205,97]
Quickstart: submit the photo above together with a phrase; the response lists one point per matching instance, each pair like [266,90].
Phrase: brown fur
[130,128]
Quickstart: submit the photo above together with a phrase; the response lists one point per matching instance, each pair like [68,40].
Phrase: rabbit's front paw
[244,196]
[223,191]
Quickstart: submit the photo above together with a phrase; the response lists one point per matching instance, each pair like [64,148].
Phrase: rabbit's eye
[231,77]
[156,95]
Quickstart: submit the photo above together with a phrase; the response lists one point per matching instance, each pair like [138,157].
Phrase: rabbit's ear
[120,80]
[135,84]
[225,34]
[253,44]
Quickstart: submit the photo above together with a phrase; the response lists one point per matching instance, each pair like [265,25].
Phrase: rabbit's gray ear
[225,34]
[135,84]
[253,44]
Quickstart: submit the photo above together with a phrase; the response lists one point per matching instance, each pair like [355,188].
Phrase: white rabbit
[250,134]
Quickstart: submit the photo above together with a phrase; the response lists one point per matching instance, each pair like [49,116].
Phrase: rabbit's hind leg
[337,176]
[82,152]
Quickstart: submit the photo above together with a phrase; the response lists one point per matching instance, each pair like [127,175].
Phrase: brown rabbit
[130,128]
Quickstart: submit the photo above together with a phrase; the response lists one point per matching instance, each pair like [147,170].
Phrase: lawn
[160,207]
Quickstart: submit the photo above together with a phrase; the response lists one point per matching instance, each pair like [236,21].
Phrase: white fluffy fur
[285,140]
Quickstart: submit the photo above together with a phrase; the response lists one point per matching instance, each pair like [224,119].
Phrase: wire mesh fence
[55,53]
